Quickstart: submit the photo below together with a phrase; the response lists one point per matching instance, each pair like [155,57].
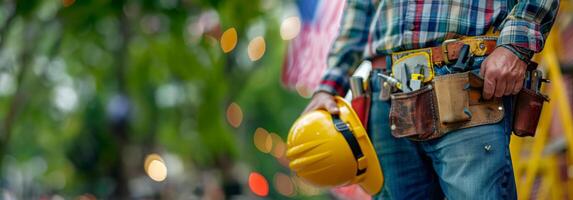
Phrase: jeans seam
[505,185]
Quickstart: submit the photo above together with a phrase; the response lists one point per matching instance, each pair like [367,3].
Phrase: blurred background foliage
[90,89]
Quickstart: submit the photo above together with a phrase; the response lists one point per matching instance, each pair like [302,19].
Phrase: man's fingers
[322,101]
[517,87]
[331,107]
[488,88]
[500,88]
[310,107]
[509,88]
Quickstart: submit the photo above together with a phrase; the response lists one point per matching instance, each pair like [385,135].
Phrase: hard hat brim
[373,178]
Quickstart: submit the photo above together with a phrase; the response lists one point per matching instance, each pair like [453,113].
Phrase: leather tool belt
[445,53]
[441,104]
[449,103]
[453,102]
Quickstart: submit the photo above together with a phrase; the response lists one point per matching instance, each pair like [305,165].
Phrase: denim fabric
[471,163]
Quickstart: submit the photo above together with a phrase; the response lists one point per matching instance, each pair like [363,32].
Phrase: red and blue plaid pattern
[372,27]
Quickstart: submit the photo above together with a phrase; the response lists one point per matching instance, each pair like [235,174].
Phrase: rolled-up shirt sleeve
[347,50]
[528,24]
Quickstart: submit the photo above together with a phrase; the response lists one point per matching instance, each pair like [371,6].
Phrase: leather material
[527,112]
[482,111]
[452,98]
[416,115]
[412,114]
[380,62]
[447,52]
[453,49]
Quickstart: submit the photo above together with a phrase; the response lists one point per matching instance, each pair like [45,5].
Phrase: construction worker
[464,163]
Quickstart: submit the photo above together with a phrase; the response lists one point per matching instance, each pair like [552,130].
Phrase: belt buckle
[445,49]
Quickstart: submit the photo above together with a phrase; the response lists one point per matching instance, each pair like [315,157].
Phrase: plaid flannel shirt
[373,27]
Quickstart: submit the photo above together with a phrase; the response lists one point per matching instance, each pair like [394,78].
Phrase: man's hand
[322,100]
[503,73]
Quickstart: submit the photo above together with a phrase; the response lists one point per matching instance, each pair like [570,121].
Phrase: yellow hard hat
[333,150]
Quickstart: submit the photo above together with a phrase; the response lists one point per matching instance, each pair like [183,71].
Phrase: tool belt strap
[448,51]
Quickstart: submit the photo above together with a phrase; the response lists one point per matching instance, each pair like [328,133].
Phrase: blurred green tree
[89,88]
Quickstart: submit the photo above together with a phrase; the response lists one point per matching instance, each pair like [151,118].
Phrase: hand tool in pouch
[536,76]
[394,83]
[417,77]
[529,103]
[404,78]
[464,60]
[387,84]
[527,80]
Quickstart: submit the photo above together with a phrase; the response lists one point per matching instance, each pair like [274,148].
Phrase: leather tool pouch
[450,103]
[452,98]
[527,112]
[412,114]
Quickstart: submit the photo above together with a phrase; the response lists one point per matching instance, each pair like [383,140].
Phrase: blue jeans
[471,163]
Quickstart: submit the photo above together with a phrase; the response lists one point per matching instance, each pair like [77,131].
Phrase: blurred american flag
[305,60]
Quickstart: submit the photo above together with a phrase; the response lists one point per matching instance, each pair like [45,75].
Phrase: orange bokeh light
[234,115]
[256,48]
[258,184]
[68,3]
[229,40]
[279,150]
[155,167]
[263,140]
[279,147]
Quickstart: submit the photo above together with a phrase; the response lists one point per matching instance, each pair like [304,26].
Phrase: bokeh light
[86,196]
[290,27]
[157,170]
[279,150]
[284,184]
[229,40]
[305,188]
[283,161]
[258,184]
[256,48]
[149,158]
[234,115]
[278,146]
[68,3]
[263,141]
[155,167]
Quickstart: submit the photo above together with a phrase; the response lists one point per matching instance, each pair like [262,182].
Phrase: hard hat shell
[320,154]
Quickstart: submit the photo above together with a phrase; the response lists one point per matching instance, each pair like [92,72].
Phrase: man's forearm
[528,24]
[348,48]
